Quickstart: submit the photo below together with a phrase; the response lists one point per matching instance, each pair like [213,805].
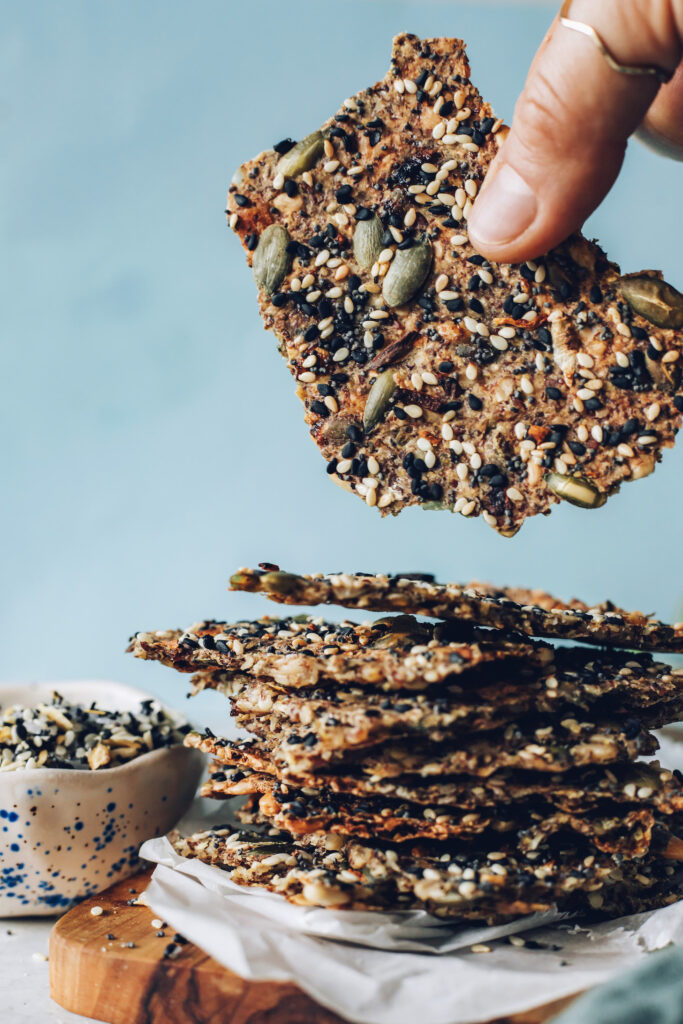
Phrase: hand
[572,123]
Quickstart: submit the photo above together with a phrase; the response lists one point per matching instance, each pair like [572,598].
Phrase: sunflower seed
[271,259]
[301,157]
[654,299]
[407,273]
[378,399]
[367,241]
[575,490]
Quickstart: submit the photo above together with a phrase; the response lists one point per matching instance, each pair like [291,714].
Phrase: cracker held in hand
[430,376]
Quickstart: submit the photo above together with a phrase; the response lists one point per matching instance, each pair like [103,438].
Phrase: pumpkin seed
[280,582]
[367,241]
[407,273]
[575,490]
[654,299]
[378,399]
[271,259]
[302,156]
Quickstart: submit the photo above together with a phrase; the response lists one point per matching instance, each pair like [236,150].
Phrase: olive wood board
[96,977]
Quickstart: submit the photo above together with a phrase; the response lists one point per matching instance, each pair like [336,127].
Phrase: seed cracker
[395,653]
[539,745]
[492,885]
[529,612]
[430,376]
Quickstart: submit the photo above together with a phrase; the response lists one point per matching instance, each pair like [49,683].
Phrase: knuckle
[545,121]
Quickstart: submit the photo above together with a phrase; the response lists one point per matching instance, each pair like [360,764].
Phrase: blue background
[151,441]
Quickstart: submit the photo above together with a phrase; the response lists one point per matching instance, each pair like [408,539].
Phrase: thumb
[570,129]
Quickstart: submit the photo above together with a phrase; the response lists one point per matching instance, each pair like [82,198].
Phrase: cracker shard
[515,376]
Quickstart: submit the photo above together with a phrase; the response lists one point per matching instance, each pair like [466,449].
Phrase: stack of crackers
[466,767]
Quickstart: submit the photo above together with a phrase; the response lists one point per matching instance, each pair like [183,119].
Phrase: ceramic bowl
[66,834]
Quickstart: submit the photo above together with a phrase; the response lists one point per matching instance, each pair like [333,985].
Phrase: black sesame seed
[362,213]
[447,366]
[553,393]
[577,447]
[320,408]
[241,200]
[284,146]
[354,433]
[596,293]
[290,188]
[474,402]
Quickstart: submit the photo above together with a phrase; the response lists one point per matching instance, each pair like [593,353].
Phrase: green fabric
[652,994]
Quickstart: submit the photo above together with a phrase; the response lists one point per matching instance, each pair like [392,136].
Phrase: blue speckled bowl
[66,834]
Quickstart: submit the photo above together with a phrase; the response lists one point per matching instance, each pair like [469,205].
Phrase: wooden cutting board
[105,979]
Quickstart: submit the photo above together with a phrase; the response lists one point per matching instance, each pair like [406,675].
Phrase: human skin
[572,123]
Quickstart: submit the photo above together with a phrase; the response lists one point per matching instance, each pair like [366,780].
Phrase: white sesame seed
[470,324]
[414,411]
[438,105]
[489,519]
[526,385]
[310,360]
[449,139]
[416,381]
[468,508]
[307,178]
[531,315]
[671,356]
[475,461]
[485,275]
[459,98]
[446,432]
[584,394]
[322,257]
[514,495]
[539,276]
[596,433]
[399,86]
[462,470]
[327,332]
[561,466]
[432,188]
[480,947]
[307,377]
[373,465]
[343,466]
[457,240]
[340,355]
[232,220]
[448,294]
[325,323]
[430,459]
[331,403]
[625,450]
[645,439]
[410,217]
[396,234]
[556,315]
[379,314]
[410,86]
[577,404]
[624,330]
[583,359]
[467,209]
[459,504]
[335,262]
[471,147]
[498,343]
[308,281]
[448,416]
[438,131]
[471,188]
[622,359]
[385,256]
[507,332]
[348,304]
[457,447]
[656,343]
[653,411]
[334,293]
[96,911]
[582,432]
[520,431]
[429,378]
[384,500]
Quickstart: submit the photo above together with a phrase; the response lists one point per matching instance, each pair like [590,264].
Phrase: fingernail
[504,210]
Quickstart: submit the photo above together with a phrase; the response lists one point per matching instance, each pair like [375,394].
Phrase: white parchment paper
[404,968]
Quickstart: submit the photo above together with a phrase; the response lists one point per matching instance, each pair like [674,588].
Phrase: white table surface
[24,979]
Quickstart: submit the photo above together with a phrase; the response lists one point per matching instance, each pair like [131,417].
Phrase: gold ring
[653,70]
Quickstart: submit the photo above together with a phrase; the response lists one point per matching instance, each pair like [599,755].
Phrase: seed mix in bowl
[65,735]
